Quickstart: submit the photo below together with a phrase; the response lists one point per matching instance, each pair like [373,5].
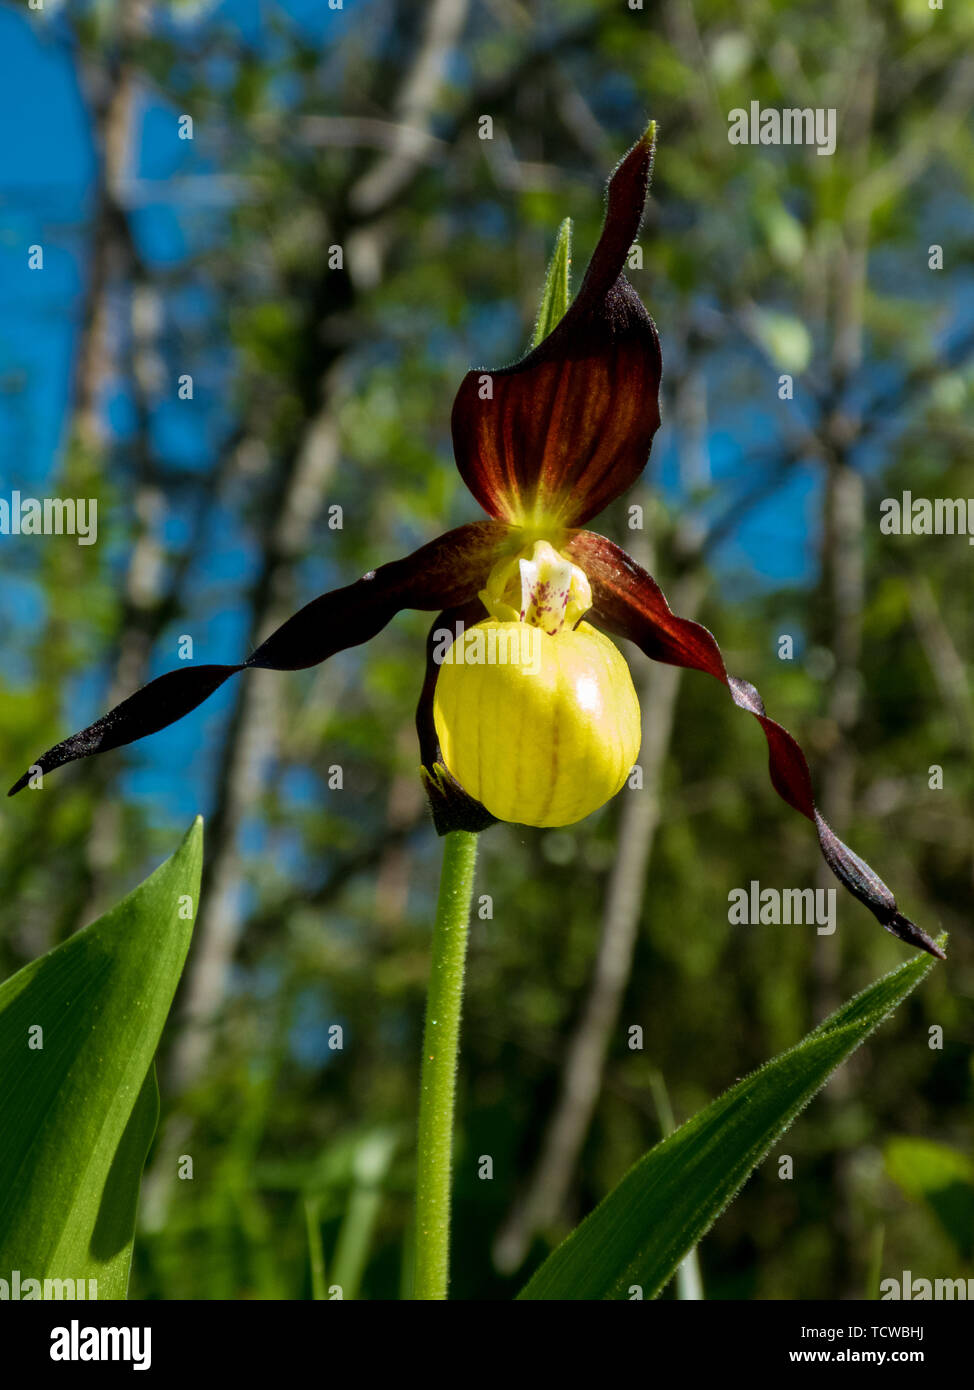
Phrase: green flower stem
[438,1081]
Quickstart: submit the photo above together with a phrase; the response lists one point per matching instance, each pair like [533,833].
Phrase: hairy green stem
[439,1073]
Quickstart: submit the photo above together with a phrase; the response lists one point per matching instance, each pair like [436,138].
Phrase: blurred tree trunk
[121,326]
[404,809]
[114,272]
[250,745]
[298,493]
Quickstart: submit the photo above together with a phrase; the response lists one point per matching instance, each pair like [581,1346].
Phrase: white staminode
[541,588]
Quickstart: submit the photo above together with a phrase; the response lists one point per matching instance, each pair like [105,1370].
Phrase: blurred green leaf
[316,1253]
[556,295]
[940,1177]
[373,1158]
[783,232]
[77,1113]
[639,1234]
[784,338]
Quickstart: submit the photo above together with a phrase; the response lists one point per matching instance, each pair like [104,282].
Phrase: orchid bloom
[543,445]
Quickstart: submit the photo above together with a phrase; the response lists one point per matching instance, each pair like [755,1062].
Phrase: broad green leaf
[111,1239]
[77,1114]
[689,1284]
[941,1177]
[639,1234]
[556,295]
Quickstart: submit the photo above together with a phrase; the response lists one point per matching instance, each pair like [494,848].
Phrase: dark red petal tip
[154,707]
[556,437]
[865,884]
[448,571]
[629,603]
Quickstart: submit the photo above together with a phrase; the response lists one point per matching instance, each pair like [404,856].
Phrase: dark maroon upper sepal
[555,438]
[629,603]
[448,571]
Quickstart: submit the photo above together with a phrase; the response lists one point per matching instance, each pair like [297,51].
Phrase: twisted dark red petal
[629,603]
[559,435]
[446,572]
[452,807]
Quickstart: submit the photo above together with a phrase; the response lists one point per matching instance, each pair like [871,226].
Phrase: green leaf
[556,295]
[785,339]
[77,1114]
[373,1158]
[639,1234]
[940,1177]
[111,1239]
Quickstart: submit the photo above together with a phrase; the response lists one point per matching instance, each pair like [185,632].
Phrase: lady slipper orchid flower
[529,714]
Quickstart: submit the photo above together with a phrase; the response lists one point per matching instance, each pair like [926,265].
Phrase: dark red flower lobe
[551,441]
[629,603]
[448,571]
